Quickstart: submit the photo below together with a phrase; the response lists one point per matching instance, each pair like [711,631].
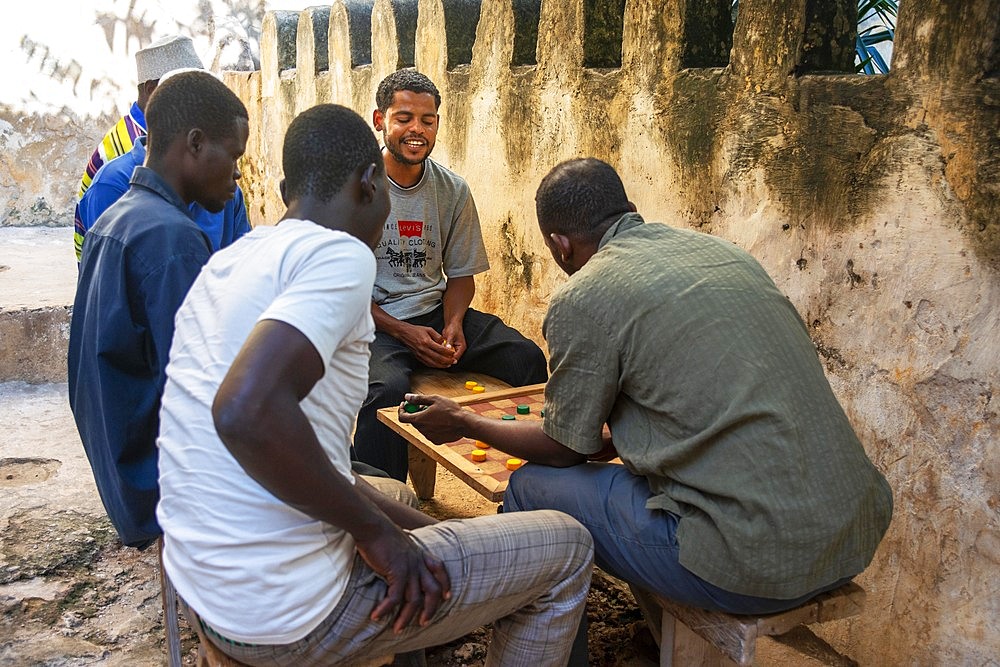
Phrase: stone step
[37,284]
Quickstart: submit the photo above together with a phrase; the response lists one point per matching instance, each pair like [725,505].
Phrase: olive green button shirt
[704,372]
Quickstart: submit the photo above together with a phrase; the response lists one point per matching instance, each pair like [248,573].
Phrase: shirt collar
[146,178]
[415,186]
[137,115]
[139,149]
[627,221]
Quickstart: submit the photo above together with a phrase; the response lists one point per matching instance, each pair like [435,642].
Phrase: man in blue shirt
[112,181]
[139,262]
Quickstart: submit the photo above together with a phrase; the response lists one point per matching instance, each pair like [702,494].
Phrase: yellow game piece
[481,445]
[478,389]
[513,464]
[478,455]
[469,384]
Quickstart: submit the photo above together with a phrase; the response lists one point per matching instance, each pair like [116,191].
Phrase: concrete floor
[37,267]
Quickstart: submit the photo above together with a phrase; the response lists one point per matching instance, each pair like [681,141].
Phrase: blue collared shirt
[112,181]
[140,259]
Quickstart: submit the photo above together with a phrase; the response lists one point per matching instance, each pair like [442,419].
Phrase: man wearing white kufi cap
[151,63]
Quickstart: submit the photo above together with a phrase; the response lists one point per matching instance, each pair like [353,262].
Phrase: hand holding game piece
[441,420]
[427,345]
[410,408]
[454,340]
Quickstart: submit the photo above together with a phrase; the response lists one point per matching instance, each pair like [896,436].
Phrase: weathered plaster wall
[873,201]
[42,158]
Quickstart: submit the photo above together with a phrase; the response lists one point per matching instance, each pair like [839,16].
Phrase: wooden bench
[210,656]
[691,636]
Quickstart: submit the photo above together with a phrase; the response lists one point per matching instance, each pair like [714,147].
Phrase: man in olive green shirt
[744,487]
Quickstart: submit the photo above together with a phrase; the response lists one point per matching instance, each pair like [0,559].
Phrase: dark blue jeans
[635,544]
[492,348]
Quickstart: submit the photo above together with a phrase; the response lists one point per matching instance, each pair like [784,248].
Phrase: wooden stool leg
[690,649]
[168,596]
[667,630]
[423,473]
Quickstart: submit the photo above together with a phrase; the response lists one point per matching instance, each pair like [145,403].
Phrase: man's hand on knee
[417,581]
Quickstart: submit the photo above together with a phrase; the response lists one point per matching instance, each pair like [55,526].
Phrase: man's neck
[402,174]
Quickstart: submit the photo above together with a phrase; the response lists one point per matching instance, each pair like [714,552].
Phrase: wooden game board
[489,478]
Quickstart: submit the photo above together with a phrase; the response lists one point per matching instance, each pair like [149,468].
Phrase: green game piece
[523,410]
[542,413]
[508,418]
[413,407]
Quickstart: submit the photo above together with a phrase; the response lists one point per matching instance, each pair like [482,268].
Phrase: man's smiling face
[409,126]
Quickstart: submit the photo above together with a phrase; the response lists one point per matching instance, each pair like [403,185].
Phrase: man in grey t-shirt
[430,251]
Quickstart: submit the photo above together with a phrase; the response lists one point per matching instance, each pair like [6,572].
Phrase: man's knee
[521,494]
[394,489]
[527,361]
[387,389]
[535,363]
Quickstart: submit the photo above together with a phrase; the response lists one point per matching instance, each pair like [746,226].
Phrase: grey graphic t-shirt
[432,234]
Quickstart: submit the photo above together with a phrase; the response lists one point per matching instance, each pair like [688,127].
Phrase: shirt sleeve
[464,251]
[584,383]
[326,290]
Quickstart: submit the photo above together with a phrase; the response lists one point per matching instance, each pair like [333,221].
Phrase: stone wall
[42,157]
[873,201]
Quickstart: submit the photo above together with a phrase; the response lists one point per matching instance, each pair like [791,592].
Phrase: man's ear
[145,89]
[378,118]
[195,140]
[562,244]
[281,189]
[368,184]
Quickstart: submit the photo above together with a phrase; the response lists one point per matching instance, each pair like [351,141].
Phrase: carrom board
[489,477]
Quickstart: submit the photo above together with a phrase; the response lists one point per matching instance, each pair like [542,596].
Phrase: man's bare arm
[458,293]
[445,421]
[401,514]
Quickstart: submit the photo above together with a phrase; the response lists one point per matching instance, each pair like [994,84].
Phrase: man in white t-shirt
[429,254]
[284,554]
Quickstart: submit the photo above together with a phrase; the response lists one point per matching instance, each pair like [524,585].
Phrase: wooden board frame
[425,456]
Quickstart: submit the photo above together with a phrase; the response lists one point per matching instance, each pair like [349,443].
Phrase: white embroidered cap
[166,55]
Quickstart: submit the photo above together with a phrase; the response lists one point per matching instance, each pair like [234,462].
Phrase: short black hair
[580,198]
[191,100]
[404,79]
[323,146]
